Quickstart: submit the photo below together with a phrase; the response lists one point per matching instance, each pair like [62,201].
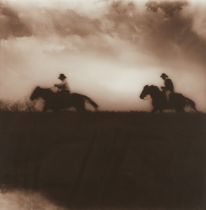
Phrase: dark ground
[106,159]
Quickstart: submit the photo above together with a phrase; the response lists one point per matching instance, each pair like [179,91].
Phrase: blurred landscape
[104,160]
[109,50]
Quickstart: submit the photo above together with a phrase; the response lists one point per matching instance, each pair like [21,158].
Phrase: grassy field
[106,160]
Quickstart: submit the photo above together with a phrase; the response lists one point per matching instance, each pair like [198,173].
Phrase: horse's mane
[155,89]
[44,89]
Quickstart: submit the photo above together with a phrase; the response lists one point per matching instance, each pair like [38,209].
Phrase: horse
[177,101]
[57,101]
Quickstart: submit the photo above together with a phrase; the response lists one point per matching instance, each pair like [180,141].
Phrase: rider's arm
[59,85]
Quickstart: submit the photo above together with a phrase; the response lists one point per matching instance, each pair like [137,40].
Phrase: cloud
[163,29]
[11,24]
[168,8]
[171,24]
[135,38]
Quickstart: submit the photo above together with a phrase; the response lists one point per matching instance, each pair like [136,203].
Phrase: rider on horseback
[63,86]
[168,89]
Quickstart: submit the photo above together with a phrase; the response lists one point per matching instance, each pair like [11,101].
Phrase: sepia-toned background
[109,49]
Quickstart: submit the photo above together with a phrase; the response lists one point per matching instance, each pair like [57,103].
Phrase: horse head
[145,91]
[44,93]
[35,93]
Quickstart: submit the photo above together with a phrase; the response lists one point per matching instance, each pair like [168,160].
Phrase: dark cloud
[175,28]
[70,22]
[11,24]
[164,29]
[169,8]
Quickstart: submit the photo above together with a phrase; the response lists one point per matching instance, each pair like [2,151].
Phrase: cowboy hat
[163,75]
[62,77]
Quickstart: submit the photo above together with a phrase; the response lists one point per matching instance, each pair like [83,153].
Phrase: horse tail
[89,100]
[191,103]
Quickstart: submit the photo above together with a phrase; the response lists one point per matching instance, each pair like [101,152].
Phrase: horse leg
[45,108]
[55,109]
[180,109]
[193,106]
[80,108]
[154,110]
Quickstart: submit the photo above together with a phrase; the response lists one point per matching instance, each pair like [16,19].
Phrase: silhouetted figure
[178,102]
[54,102]
[168,83]
[63,86]
[168,87]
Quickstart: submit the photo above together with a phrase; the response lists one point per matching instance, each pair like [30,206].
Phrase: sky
[109,49]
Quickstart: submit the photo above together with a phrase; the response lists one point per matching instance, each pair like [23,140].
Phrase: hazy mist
[108,49]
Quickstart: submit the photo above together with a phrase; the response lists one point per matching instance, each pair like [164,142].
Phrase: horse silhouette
[177,102]
[57,101]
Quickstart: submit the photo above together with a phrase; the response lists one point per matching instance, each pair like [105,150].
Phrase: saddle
[168,95]
[63,96]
